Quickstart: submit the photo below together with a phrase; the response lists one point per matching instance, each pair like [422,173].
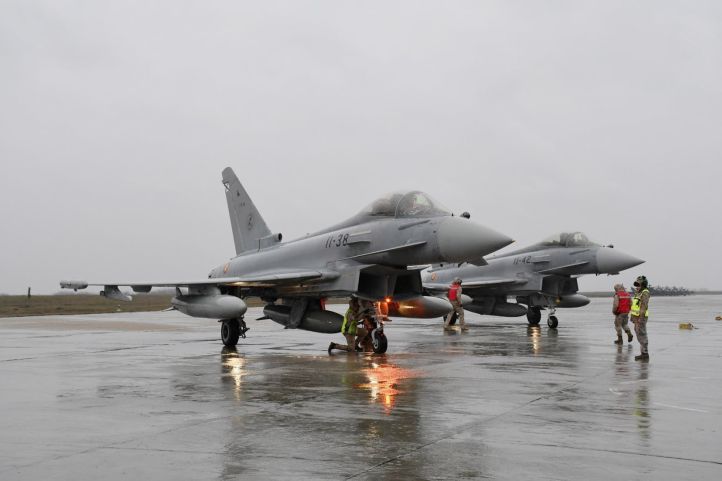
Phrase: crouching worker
[349,328]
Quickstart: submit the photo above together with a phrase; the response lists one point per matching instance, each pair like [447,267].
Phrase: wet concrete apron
[156,396]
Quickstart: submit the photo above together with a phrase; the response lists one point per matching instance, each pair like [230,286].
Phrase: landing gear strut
[231,330]
[552,320]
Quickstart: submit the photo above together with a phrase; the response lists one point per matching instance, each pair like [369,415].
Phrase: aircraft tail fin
[246,222]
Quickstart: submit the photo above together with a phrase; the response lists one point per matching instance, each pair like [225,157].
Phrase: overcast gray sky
[116,119]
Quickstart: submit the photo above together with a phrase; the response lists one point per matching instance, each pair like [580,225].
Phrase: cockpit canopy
[405,204]
[567,239]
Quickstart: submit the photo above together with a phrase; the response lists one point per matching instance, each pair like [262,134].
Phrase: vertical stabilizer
[246,222]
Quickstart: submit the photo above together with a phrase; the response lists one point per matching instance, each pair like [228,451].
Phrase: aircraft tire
[533,315]
[230,332]
[379,343]
[552,322]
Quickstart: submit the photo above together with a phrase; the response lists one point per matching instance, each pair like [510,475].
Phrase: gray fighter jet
[367,256]
[540,276]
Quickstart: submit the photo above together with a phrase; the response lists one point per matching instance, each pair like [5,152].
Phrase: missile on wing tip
[74,285]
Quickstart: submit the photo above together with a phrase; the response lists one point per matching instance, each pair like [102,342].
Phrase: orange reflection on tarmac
[234,367]
[383,383]
[534,332]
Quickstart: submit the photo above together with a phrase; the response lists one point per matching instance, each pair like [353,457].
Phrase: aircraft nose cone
[463,240]
[612,261]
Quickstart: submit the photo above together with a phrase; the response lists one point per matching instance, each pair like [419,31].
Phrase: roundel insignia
[225,267]
[433,276]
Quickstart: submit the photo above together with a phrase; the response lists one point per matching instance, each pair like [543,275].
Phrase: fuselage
[533,270]
[341,252]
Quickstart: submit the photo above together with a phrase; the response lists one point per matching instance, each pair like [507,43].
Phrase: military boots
[619,339]
[629,336]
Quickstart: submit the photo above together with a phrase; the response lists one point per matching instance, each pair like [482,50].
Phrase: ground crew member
[620,309]
[640,313]
[455,299]
[349,327]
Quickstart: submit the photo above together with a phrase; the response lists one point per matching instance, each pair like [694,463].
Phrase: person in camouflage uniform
[454,296]
[620,309]
[639,315]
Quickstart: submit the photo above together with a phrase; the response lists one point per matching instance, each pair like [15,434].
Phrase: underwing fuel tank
[210,306]
[422,307]
[508,310]
[490,306]
[313,320]
[75,285]
[572,300]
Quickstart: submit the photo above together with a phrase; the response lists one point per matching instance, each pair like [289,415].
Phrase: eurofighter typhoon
[543,275]
[366,256]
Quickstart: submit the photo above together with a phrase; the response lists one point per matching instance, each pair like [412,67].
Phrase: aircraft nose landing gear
[379,342]
[552,320]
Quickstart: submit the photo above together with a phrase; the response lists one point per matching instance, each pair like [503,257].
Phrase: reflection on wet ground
[386,381]
[503,401]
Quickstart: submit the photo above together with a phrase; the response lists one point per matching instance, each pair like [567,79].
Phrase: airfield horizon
[64,303]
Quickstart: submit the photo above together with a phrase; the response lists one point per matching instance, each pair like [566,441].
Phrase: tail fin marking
[246,222]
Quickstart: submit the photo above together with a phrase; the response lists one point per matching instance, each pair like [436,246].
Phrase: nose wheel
[552,320]
[379,343]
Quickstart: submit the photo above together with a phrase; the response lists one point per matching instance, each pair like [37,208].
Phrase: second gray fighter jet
[543,275]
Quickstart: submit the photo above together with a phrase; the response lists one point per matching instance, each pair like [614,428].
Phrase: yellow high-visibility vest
[634,311]
[349,325]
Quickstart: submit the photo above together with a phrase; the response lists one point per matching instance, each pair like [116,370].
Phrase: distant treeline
[669,291]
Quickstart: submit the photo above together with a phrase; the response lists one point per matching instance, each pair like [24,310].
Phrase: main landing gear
[232,330]
[533,316]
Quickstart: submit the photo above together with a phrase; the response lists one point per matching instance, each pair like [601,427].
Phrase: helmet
[641,282]
[457,280]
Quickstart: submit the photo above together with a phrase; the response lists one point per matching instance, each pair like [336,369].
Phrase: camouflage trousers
[640,329]
[458,310]
[621,323]
[351,340]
